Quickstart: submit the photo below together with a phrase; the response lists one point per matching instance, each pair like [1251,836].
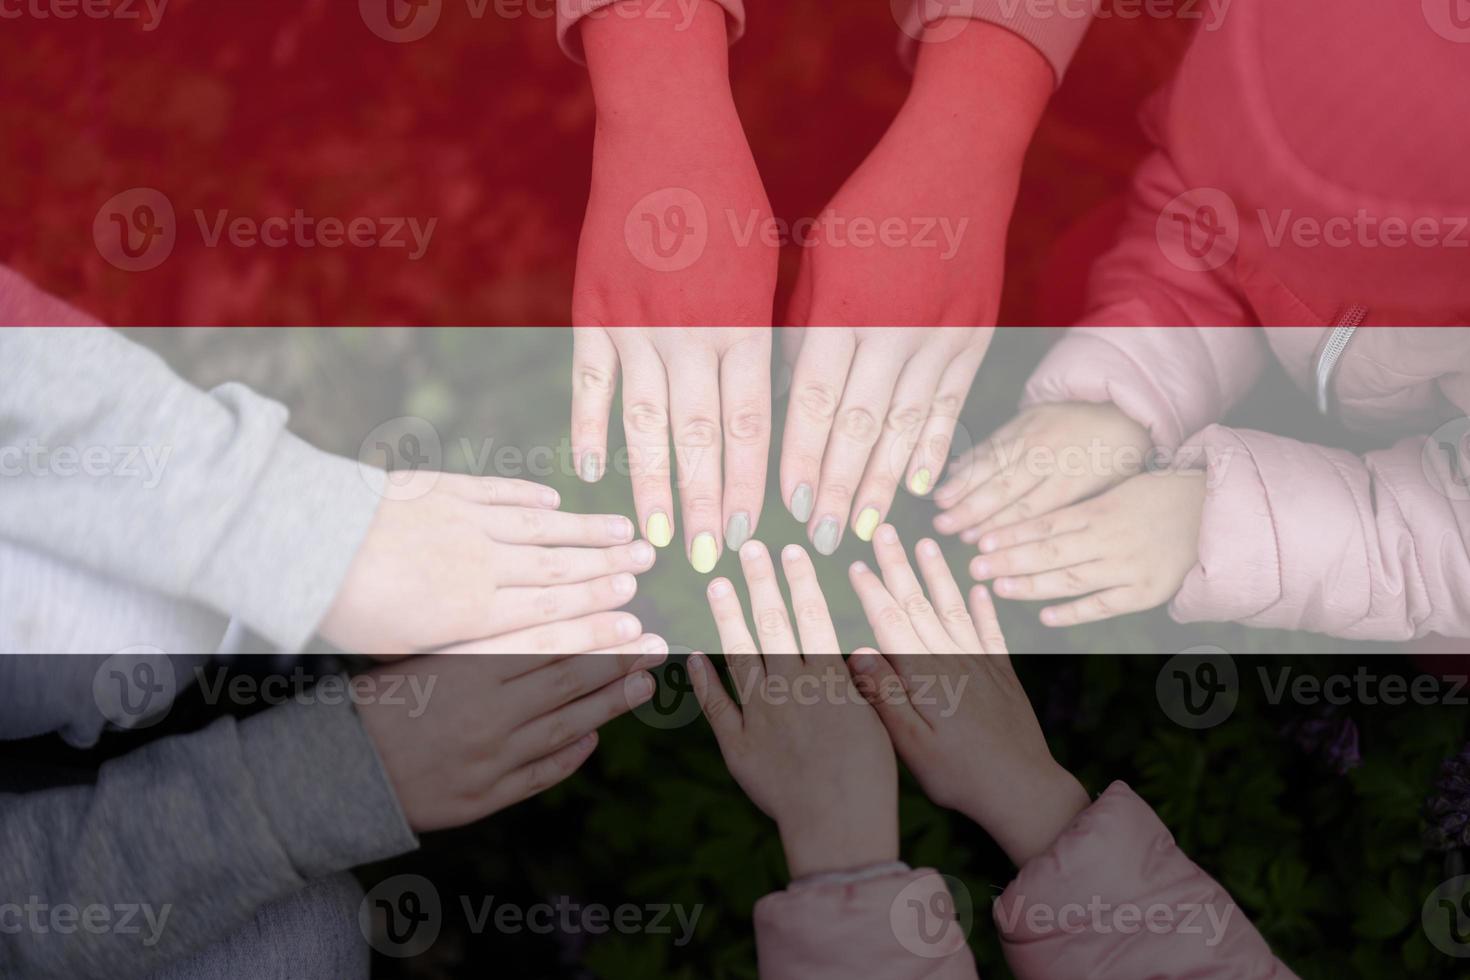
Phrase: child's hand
[870,407]
[1047,457]
[949,697]
[483,557]
[800,740]
[1126,551]
[490,731]
[710,389]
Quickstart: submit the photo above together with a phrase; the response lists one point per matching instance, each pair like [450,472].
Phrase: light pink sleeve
[1174,347]
[896,927]
[1115,899]
[569,12]
[1055,32]
[1302,537]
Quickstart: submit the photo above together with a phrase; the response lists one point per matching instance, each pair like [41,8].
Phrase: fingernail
[620,528]
[591,467]
[643,553]
[655,652]
[863,663]
[696,663]
[1049,617]
[866,524]
[737,530]
[625,585]
[653,643]
[587,742]
[704,554]
[989,543]
[970,536]
[791,553]
[944,524]
[828,533]
[628,627]
[887,534]
[640,689]
[550,497]
[719,588]
[659,532]
[860,567]
[801,503]
[928,548]
[922,483]
[1005,585]
[980,568]
[751,551]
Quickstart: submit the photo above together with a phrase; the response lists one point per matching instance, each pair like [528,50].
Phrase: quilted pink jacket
[1310,178]
[1112,899]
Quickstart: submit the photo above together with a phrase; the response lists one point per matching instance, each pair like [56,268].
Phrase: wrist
[818,849]
[985,85]
[1036,812]
[645,64]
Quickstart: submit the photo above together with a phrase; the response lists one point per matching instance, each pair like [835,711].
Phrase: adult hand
[713,386]
[483,557]
[801,741]
[871,407]
[1126,551]
[1047,457]
[949,697]
[495,730]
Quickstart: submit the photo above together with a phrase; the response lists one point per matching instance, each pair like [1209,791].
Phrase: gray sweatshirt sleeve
[111,461]
[186,839]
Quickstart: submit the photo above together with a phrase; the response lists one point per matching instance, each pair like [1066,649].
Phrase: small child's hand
[1126,551]
[483,557]
[950,699]
[1047,457]
[482,733]
[800,740]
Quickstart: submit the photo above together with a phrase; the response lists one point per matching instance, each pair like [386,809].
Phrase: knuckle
[530,522]
[890,615]
[811,612]
[1102,605]
[645,417]
[906,418]
[817,400]
[858,424]
[747,424]
[947,405]
[547,605]
[836,491]
[917,605]
[770,621]
[546,641]
[1072,579]
[564,679]
[596,380]
[699,432]
[956,613]
[553,565]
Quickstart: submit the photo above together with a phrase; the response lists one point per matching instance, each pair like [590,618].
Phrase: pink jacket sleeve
[569,12]
[896,927]
[1174,347]
[1115,899]
[1055,36]
[1304,537]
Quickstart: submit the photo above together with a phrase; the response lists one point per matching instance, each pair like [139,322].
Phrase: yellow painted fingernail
[922,483]
[659,533]
[867,523]
[704,554]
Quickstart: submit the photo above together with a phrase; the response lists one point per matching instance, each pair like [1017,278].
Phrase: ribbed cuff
[323,788]
[569,12]
[1054,31]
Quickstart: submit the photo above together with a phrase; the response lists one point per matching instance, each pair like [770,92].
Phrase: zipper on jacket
[1337,344]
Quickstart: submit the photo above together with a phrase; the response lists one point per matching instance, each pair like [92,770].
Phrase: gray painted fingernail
[591,467]
[737,531]
[826,537]
[801,503]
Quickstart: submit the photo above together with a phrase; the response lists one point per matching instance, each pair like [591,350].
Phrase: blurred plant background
[1312,821]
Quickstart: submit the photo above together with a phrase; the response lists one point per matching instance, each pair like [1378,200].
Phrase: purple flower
[1447,812]
[1332,739]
